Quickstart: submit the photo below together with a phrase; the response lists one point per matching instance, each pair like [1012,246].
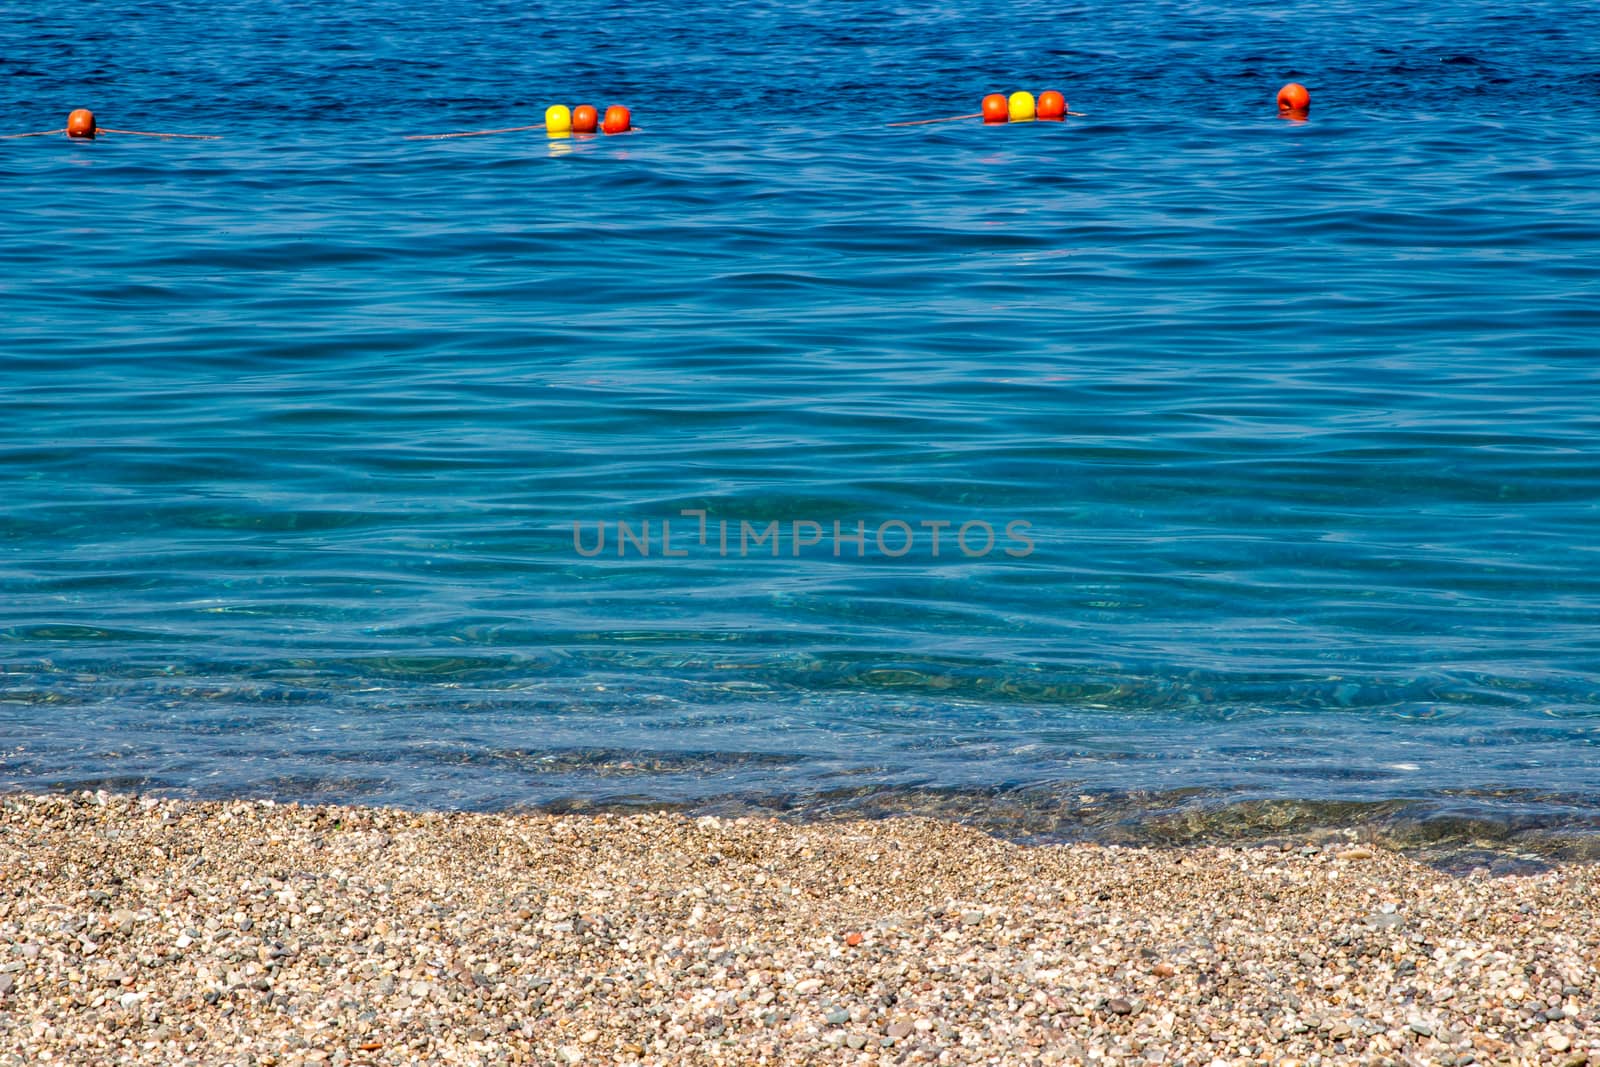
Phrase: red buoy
[618,120]
[585,119]
[996,108]
[1293,99]
[1052,105]
[81,124]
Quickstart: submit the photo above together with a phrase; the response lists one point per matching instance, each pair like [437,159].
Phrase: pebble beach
[136,930]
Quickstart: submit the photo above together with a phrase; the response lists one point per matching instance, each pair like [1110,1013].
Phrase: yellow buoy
[558,118]
[1021,107]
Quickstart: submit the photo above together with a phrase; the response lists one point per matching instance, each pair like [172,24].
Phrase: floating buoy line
[1294,102]
[559,121]
[1018,107]
[81,126]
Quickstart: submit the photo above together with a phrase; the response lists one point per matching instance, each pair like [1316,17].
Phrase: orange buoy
[996,108]
[585,119]
[81,123]
[1052,105]
[618,119]
[1293,99]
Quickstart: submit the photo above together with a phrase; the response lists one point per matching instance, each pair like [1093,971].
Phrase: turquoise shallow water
[1299,418]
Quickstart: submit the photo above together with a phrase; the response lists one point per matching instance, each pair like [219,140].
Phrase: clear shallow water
[1301,417]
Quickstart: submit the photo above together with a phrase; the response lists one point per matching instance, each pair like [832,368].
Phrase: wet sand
[144,931]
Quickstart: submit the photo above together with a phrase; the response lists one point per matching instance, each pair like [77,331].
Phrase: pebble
[539,939]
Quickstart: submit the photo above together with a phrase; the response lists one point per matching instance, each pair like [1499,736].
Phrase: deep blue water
[1300,418]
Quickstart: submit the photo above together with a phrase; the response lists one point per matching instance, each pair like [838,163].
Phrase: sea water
[1260,454]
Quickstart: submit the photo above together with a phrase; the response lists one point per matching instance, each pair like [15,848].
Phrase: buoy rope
[444,136]
[470,133]
[979,115]
[142,133]
[107,129]
[927,122]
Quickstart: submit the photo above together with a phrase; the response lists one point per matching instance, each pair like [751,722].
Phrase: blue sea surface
[310,432]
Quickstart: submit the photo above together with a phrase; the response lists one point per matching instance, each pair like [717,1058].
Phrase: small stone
[1357,853]
[807,986]
[971,918]
[1163,970]
[7,984]
[1119,1006]
[898,1029]
[853,938]
[589,1037]
[569,1054]
[837,1017]
[856,1041]
[1420,1026]
[1558,1042]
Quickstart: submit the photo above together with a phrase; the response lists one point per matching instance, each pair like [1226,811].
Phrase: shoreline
[1459,838]
[162,931]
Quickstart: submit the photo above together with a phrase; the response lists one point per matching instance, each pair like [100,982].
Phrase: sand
[134,930]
